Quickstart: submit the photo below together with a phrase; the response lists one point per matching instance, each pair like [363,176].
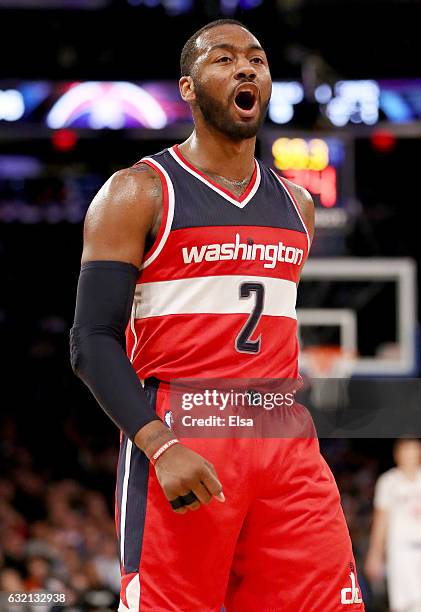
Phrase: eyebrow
[231,47]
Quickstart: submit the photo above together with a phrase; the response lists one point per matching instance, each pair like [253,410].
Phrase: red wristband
[162,450]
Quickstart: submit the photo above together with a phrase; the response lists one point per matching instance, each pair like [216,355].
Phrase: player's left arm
[305,204]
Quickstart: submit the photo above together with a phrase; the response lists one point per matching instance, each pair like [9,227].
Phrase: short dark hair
[189,51]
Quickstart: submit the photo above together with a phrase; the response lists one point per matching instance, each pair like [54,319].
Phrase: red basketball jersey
[216,292]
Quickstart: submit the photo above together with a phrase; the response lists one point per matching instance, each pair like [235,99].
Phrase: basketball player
[190,267]
[396,529]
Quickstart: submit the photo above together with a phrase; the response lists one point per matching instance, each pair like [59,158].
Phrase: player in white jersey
[396,530]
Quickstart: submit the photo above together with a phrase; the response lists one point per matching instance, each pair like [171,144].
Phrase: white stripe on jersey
[127,461]
[214,295]
[291,197]
[132,595]
[170,216]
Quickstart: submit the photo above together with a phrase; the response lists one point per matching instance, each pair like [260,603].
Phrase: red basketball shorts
[279,543]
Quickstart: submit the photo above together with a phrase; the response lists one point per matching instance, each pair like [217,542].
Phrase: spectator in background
[11,582]
[396,529]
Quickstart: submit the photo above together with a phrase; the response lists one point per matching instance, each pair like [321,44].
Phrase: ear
[186,86]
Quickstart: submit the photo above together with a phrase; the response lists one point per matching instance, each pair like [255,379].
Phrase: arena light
[395,106]
[172,7]
[12,105]
[323,93]
[64,140]
[383,141]
[19,167]
[355,102]
[230,6]
[111,105]
[178,7]
[157,103]
[284,97]
[54,4]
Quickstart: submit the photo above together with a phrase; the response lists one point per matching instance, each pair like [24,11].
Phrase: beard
[218,116]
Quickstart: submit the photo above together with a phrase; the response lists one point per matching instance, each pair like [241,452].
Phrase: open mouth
[245,100]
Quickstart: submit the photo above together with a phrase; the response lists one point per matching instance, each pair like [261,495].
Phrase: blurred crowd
[45,199]
[56,535]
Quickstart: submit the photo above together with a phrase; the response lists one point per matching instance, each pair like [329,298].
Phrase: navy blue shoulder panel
[198,205]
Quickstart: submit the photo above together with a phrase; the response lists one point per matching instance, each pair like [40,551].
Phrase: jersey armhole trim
[295,204]
[167,213]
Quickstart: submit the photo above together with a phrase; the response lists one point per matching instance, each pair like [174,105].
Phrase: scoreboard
[324,166]
[309,163]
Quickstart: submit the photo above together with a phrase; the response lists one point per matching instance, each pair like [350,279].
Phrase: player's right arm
[125,210]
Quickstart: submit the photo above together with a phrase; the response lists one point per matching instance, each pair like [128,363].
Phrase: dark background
[357,38]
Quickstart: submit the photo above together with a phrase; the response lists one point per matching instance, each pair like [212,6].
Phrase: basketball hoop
[327,361]
[328,369]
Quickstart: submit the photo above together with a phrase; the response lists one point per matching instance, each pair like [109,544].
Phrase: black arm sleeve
[98,345]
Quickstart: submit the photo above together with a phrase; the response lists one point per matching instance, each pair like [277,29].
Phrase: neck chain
[233,182]
[238,184]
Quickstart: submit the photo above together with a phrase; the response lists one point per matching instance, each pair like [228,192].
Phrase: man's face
[408,454]
[232,82]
